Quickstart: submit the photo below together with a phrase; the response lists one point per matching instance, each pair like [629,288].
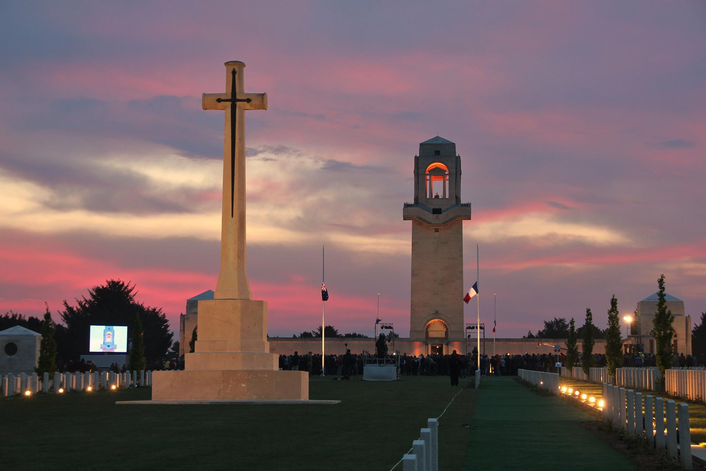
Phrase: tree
[112,304]
[613,340]
[137,352]
[698,337]
[194,337]
[355,335]
[529,335]
[663,330]
[587,359]
[597,333]
[554,329]
[331,331]
[572,350]
[47,348]
[11,319]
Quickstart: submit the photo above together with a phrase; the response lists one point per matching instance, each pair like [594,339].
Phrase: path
[514,428]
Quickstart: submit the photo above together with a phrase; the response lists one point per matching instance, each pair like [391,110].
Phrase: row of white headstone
[65,382]
[686,382]
[624,409]
[541,379]
[638,378]
[424,454]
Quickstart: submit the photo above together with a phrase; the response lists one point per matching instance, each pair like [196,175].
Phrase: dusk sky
[580,127]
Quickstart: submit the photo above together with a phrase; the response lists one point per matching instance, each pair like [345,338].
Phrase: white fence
[65,382]
[541,379]
[686,382]
[624,408]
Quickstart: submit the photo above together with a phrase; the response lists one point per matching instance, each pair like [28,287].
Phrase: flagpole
[323,312]
[495,308]
[478,300]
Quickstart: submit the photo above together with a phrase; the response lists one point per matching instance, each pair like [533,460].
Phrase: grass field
[371,429]
[514,428]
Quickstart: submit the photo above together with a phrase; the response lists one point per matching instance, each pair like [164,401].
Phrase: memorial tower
[437,215]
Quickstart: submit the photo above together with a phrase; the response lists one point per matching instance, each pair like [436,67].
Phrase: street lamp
[628,320]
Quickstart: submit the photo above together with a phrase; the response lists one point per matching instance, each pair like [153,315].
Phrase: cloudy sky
[580,127]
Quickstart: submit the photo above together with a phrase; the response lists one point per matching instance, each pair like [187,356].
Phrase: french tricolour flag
[471,292]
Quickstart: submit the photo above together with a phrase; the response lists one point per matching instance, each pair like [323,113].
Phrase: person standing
[454,368]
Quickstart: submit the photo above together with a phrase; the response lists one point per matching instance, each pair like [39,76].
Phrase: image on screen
[108,339]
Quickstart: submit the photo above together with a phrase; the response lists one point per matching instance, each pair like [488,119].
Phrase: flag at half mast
[471,292]
[324,292]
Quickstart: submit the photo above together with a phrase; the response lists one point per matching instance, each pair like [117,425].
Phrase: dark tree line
[558,328]
[331,332]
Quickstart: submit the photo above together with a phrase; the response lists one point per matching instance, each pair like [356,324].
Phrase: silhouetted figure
[381,346]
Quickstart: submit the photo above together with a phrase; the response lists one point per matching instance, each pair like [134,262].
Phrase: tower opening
[437,180]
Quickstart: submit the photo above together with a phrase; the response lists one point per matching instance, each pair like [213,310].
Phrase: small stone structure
[19,350]
[643,325]
[189,321]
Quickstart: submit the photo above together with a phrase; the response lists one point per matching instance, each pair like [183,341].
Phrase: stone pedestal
[232,360]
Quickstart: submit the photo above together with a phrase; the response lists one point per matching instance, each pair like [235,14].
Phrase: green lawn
[371,429]
[515,428]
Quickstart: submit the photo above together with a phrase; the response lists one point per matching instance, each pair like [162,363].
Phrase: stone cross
[233,279]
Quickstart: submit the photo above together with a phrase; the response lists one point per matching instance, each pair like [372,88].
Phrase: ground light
[576,393]
[89,389]
[592,400]
[61,391]
[571,390]
[28,393]
[583,396]
[601,403]
[113,388]
[563,389]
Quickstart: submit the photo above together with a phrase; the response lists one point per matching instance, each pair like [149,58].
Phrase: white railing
[624,409]
[66,382]
[686,382]
[477,378]
[541,379]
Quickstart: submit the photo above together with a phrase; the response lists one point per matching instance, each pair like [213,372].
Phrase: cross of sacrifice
[232,280]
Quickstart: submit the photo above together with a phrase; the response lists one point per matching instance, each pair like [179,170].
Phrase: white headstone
[5,385]
[56,384]
[142,378]
[621,409]
[425,435]
[631,411]
[672,430]
[134,379]
[23,383]
[638,415]
[433,425]
[418,448]
[45,382]
[685,437]
[659,424]
[409,463]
